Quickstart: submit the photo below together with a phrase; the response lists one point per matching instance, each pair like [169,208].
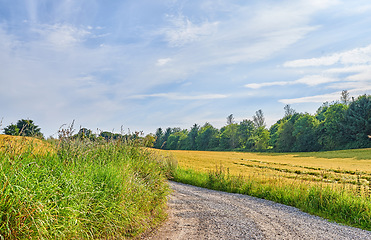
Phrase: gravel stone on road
[198,213]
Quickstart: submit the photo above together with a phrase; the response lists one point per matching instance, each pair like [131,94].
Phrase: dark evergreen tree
[24,127]
[159,138]
[192,135]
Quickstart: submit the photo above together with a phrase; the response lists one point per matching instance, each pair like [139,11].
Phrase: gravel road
[197,213]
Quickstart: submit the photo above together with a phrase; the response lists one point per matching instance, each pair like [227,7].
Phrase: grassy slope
[326,185]
[80,190]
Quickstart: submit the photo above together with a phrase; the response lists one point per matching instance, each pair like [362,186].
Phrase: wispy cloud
[354,56]
[313,99]
[163,61]
[60,36]
[182,31]
[179,96]
[311,80]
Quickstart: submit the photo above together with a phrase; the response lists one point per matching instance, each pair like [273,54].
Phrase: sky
[140,65]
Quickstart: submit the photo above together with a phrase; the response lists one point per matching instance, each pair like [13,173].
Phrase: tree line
[27,128]
[343,124]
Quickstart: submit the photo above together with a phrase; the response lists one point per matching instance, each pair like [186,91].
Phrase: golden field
[18,144]
[338,170]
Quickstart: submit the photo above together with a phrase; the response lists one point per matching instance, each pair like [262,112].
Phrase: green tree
[305,129]
[149,140]
[206,134]
[285,137]
[12,129]
[183,140]
[320,113]
[85,133]
[159,138]
[24,127]
[192,135]
[358,122]
[260,139]
[172,141]
[245,130]
[330,129]
[229,137]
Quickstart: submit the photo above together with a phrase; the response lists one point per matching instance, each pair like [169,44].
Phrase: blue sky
[168,63]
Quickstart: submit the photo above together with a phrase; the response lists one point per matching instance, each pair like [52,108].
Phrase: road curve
[198,213]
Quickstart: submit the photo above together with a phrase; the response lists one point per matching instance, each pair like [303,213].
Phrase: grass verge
[81,190]
[335,204]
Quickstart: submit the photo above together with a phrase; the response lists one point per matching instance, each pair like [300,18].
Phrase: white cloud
[183,31]
[179,96]
[61,36]
[163,61]
[315,80]
[266,84]
[313,99]
[354,56]
[311,80]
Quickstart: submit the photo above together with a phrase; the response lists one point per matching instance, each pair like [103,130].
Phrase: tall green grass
[83,190]
[340,205]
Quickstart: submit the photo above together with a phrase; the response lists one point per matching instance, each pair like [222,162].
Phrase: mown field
[325,167]
[335,185]
[79,189]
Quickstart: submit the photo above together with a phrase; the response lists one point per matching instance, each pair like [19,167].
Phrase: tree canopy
[24,127]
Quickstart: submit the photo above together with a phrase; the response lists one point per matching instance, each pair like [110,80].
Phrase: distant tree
[345,97]
[205,137]
[159,138]
[260,139]
[357,125]
[259,119]
[245,130]
[183,140]
[192,135]
[24,128]
[285,137]
[230,119]
[12,129]
[320,113]
[85,133]
[165,137]
[149,140]
[288,110]
[229,137]
[306,139]
[274,131]
[173,141]
[331,130]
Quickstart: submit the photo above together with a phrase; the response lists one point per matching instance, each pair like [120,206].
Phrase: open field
[327,185]
[337,170]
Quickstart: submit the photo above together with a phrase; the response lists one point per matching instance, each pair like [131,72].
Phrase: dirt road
[197,213]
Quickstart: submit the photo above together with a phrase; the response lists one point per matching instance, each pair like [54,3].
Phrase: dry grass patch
[18,144]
